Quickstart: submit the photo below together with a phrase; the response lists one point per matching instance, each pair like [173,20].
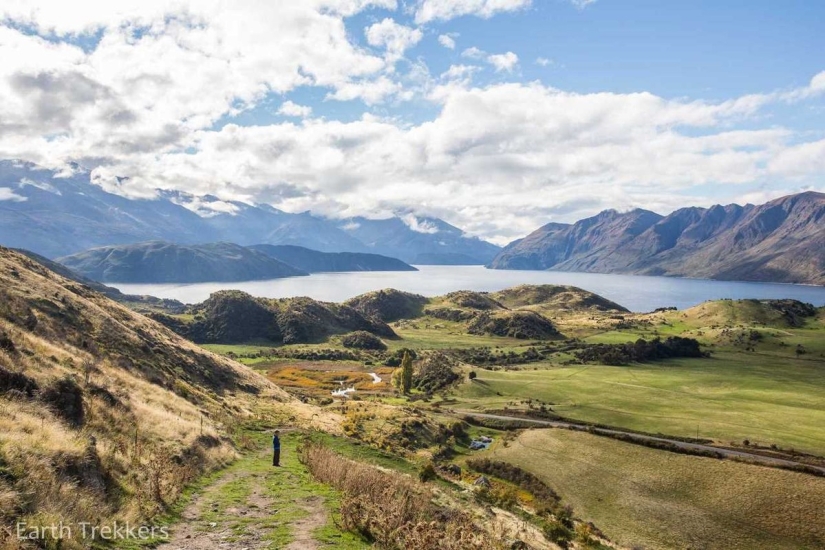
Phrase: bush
[472,375]
[16,382]
[427,473]
[65,398]
[435,371]
[641,351]
[363,340]
[5,343]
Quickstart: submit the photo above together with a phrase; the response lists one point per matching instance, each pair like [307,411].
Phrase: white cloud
[473,53]
[430,10]
[162,70]
[288,108]
[447,41]
[543,61]
[395,38]
[581,4]
[419,225]
[7,194]
[503,62]
[459,72]
[497,161]
[370,92]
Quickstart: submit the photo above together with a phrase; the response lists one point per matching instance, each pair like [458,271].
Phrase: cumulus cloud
[430,10]
[395,38]
[503,62]
[473,53]
[289,108]
[447,41]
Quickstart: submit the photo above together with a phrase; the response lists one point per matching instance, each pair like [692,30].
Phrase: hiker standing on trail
[276,448]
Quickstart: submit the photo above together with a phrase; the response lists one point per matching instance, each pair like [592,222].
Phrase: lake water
[636,293]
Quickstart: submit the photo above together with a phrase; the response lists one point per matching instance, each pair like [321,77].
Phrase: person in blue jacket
[276,448]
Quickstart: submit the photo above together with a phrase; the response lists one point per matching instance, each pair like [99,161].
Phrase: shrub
[427,473]
[16,382]
[435,371]
[473,375]
[65,398]
[363,340]
[5,343]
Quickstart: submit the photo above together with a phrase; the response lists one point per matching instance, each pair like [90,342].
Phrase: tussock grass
[390,509]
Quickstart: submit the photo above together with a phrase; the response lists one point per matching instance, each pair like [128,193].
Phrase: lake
[635,292]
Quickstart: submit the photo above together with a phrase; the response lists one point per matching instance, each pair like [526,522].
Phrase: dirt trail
[303,528]
[250,507]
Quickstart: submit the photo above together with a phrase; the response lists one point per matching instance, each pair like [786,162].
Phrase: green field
[644,498]
[729,397]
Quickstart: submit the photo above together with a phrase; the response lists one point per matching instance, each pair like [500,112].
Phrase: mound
[472,300]
[304,320]
[774,313]
[526,325]
[232,316]
[362,340]
[388,305]
[555,297]
[75,364]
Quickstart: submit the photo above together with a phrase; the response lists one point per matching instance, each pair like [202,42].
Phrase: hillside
[103,413]
[137,303]
[313,261]
[780,241]
[161,262]
[557,297]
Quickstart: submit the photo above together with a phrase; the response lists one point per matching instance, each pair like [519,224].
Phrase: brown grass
[391,509]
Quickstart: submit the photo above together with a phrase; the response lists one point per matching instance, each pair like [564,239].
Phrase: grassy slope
[640,496]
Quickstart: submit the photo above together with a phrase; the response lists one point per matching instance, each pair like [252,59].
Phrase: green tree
[406,373]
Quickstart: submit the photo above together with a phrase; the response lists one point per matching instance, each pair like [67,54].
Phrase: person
[276,448]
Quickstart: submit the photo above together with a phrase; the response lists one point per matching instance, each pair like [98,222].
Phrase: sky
[498,116]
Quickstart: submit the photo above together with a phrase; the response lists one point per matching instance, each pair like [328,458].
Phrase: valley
[739,382]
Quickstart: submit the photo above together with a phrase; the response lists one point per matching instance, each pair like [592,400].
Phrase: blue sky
[542,110]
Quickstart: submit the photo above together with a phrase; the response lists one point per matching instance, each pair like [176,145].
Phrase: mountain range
[56,214]
[780,241]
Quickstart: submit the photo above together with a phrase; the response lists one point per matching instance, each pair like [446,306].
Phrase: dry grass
[641,496]
[391,509]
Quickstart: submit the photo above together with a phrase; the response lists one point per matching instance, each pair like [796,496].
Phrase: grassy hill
[104,413]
